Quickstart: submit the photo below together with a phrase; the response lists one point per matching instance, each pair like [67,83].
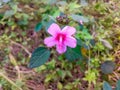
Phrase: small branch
[18,72]
[13,61]
[10,81]
[21,47]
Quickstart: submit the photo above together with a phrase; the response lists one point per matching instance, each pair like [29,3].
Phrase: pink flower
[61,38]
[81,22]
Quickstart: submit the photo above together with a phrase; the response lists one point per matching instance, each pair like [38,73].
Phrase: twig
[10,81]
[13,61]
[18,72]
[21,47]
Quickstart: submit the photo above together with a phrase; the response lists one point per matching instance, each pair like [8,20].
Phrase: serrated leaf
[106,86]
[38,27]
[107,67]
[118,85]
[77,18]
[39,57]
[106,43]
[73,53]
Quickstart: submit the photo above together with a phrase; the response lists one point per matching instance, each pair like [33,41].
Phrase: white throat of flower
[60,39]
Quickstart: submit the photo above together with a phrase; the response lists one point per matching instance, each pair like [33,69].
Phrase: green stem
[89,67]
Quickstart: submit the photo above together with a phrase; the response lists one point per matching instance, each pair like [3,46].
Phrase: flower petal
[71,42]
[69,30]
[50,41]
[54,29]
[61,48]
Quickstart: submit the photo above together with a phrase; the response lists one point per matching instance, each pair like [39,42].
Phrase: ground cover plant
[59,45]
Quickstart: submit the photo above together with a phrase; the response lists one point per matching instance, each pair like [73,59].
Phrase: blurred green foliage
[99,41]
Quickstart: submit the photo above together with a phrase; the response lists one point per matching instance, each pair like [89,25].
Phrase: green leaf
[14,7]
[1,16]
[79,42]
[107,67]
[48,77]
[10,23]
[9,13]
[69,86]
[47,24]
[106,86]
[106,43]
[38,27]
[50,2]
[73,5]
[22,22]
[61,3]
[61,73]
[39,57]
[59,86]
[118,85]
[83,2]
[77,18]
[82,44]
[73,53]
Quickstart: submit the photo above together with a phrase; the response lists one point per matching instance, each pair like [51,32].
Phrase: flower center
[61,38]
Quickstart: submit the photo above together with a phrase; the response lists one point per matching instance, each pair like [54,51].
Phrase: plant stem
[89,67]
[21,47]
[89,86]
[10,81]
